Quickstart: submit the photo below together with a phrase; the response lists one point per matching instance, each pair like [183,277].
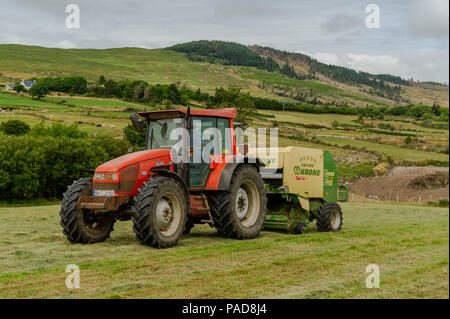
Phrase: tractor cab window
[210,136]
[223,125]
[211,129]
[159,133]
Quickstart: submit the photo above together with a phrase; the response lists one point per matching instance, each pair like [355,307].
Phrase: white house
[9,87]
[28,84]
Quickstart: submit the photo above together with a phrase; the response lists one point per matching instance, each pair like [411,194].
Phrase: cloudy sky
[412,39]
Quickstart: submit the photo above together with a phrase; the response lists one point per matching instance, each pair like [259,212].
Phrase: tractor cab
[165,128]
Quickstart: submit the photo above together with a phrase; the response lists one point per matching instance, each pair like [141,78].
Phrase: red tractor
[165,199]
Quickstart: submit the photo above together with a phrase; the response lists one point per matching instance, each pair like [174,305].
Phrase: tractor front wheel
[329,217]
[82,225]
[239,212]
[160,213]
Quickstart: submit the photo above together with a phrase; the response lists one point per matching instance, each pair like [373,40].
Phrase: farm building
[28,84]
[9,87]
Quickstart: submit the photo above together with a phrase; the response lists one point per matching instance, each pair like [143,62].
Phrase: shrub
[58,130]
[351,173]
[134,137]
[19,88]
[44,163]
[44,166]
[38,91]
[15,127]
[114,147]
[335,124]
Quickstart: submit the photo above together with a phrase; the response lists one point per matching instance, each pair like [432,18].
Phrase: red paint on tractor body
[146,160]
[115,165]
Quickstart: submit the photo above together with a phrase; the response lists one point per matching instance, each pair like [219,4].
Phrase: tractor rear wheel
[329,217]
[239,212]
[160,213]
[82,225]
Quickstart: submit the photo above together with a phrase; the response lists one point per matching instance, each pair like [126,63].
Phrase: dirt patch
[406,184]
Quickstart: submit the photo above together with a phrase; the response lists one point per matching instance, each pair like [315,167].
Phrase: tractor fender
[176,177]
[228,170]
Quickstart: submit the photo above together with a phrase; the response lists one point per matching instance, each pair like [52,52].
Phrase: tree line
[40,161]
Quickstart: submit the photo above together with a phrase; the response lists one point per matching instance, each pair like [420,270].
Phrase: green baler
[302,186]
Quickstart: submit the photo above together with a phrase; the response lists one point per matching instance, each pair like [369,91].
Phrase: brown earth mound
[436,180]
[406,184]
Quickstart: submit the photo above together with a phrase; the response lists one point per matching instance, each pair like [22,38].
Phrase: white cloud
[65,44]
[430,18]
[372,63]
[343,22]
[327,58]
[423,65]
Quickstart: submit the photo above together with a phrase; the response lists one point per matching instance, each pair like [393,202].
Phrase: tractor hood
[115,165]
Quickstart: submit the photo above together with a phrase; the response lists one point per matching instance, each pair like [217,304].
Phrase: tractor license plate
[103,193]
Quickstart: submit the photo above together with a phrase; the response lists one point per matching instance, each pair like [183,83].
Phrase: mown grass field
[410,244]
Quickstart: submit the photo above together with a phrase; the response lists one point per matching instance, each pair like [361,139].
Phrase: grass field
[410,244]
[92,102]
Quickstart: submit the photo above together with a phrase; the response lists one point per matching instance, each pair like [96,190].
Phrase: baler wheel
[239,212]
[300,228]
[81,225]
[329,217]
[160,213]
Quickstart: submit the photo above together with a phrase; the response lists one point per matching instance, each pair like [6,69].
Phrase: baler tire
[145,220]
[73,220]
[300,228]
[223,209]
[325,217]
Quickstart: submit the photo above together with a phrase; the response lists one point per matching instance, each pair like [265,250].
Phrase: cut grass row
[410,245]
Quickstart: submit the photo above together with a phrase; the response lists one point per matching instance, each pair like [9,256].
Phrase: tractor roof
[162,114]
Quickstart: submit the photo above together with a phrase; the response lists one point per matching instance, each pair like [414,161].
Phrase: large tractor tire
[329,217]
[81,225]
[239,212]
[160,213]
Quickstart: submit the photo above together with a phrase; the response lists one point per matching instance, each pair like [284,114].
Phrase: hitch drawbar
[102,203]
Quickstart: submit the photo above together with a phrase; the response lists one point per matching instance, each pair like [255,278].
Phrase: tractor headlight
[106,177]
[99,177]
[112,177]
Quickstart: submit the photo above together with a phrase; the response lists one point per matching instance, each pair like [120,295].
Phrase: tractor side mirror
[136,121]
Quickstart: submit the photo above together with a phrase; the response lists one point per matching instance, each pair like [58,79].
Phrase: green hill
[264,72]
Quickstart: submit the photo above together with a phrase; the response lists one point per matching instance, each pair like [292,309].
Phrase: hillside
[264,72]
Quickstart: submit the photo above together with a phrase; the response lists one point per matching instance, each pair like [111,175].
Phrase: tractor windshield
[159,133]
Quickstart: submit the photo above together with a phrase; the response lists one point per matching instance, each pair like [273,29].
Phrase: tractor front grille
[106,186]
[128,178]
